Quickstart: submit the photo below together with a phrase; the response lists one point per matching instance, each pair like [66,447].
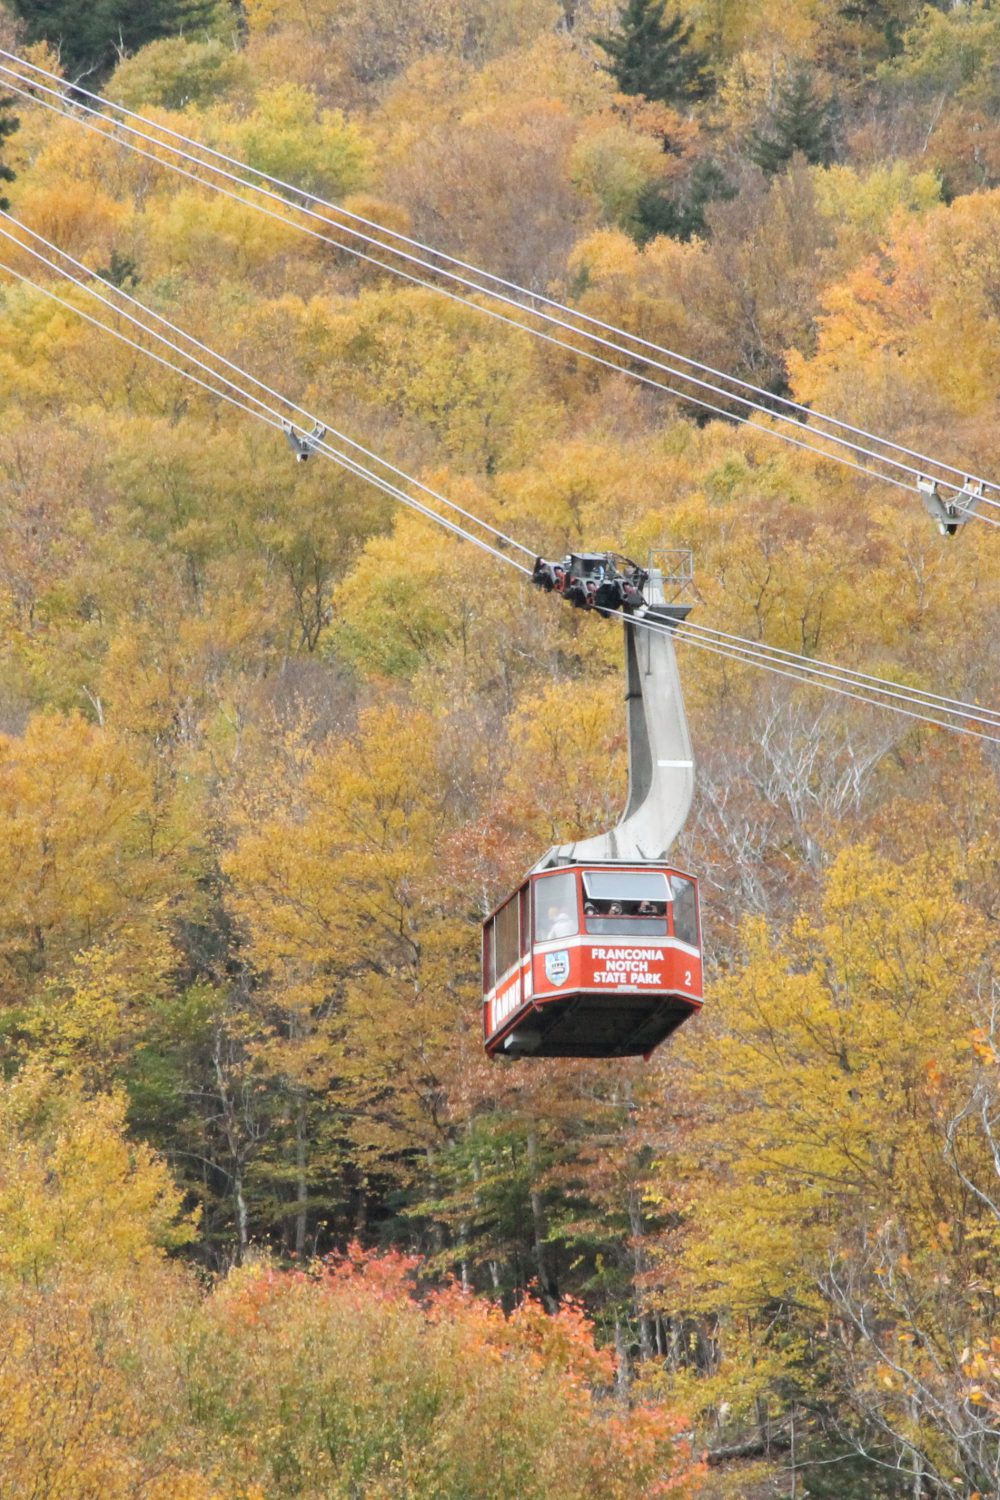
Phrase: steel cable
[871,690]
[272,419]
[67,105]
[282,417]
[71,93]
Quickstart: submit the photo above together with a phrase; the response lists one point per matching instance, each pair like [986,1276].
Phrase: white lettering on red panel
[505,1005]
[627,966]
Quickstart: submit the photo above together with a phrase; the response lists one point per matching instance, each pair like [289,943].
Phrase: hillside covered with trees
[272,746]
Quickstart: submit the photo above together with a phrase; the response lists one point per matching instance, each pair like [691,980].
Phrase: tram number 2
[687,977]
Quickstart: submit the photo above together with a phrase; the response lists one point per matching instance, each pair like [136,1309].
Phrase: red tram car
[592,960]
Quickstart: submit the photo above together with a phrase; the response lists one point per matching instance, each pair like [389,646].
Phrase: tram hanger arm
[660,758]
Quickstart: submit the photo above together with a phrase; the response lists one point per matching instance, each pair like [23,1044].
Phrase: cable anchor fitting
[953,511]
[303,444]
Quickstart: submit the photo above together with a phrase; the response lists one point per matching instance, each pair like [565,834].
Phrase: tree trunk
[301,1176]
[623,1376]
[236,1152]
[646,1340]
[546,1280]
[242,1223]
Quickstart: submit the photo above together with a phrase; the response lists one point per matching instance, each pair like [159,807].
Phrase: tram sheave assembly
[598,951]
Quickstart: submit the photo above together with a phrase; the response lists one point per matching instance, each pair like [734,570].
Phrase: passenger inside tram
[625,902]
[555,906]
[560,923]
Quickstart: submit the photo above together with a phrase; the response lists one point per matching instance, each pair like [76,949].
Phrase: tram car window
[489,956]
[626,902]
[685,911]
[507,940]
[555,907]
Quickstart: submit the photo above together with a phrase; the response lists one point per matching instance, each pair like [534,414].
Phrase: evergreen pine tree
[800,121]
[8,124]
[91,36]
[681,213]
[652,56]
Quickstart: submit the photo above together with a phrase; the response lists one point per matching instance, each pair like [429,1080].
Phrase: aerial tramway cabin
[598,951]
[592,960]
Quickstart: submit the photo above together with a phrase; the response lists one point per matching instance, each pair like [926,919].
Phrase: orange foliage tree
[345,1377]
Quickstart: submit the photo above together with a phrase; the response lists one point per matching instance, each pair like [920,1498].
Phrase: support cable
[841,691]
[86,286]
[608,364]
[757,651]
[779,408]
[273,420]
[870,690]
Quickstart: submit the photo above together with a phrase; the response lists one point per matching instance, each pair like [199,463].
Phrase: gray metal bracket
[950,512]
[303,444]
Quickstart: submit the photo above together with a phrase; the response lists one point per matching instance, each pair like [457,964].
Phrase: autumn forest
[272,744]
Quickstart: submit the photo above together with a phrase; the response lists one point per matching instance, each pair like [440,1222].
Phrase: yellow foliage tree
[893,326]
[365,956]
[78,835]
[87,1300]
[837,1056]
[76,1195]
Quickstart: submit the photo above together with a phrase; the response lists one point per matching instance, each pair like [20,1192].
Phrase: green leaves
[653,55]
[89,38]
[800,122]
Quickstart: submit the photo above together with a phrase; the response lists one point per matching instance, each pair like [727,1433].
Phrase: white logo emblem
[557,967]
